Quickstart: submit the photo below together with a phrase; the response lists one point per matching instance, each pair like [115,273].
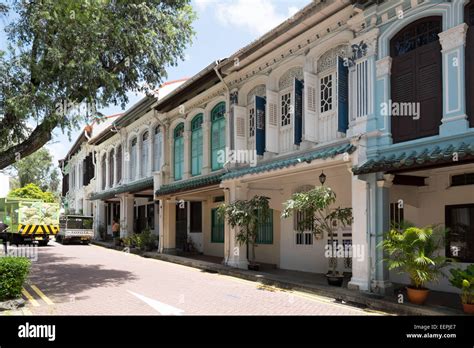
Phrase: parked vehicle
[75,228]
[29,220]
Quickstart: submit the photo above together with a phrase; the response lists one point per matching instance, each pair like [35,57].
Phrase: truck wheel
[16,239]
[43,242]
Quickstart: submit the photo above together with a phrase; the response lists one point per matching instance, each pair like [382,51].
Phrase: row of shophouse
[377,95]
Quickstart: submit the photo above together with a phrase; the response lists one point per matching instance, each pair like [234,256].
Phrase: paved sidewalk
[91,280]
[304,281]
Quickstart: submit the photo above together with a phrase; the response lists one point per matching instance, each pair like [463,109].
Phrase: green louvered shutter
[196,145]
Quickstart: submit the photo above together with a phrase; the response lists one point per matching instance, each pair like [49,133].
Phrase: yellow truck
[29,220]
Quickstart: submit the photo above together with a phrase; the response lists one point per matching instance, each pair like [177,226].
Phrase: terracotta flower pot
[468,308]
[417,296]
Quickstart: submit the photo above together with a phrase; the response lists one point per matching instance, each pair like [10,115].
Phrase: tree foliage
[38,169]
[247,214]
[34,192]
[66,53]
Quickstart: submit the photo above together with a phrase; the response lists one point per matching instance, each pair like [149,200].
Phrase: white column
[235,254]
[151,151]
[138,170]
[97,173]
[187,151]
[206,146]
[107,170]
[115,169]
[452,42]
[360,252]
[126,161]
[161,225]
[126,214]
[171,153]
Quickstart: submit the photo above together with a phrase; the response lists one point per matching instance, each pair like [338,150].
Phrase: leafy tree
[247,214]
[37,169]
[54,180]
[317,216]
[32,191]
[66,53]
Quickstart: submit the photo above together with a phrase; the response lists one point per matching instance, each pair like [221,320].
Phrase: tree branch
[37,139]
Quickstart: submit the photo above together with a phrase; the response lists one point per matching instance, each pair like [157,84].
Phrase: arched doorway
[416,80]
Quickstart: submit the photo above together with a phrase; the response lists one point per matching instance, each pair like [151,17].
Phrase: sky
[222,28]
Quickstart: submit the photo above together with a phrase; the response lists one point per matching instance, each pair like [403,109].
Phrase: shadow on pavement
[59,277]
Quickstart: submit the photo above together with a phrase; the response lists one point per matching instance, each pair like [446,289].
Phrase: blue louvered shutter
[298,109]
[342,96]
[260,124]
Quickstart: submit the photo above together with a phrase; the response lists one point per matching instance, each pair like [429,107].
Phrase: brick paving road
[87,280]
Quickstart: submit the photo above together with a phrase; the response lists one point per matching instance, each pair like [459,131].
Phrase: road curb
[368,300]
[12,304]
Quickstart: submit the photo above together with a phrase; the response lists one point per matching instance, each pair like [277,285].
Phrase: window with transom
[196,144]
[218,136]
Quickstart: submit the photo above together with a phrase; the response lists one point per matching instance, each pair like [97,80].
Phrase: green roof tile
[189,184]
[418,158]
[130,187]
[293,160]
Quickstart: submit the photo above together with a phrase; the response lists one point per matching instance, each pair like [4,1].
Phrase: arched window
[416,87]
[178,151]
[111,168]
[196,144]
[469,19]
[145,154]
[158,148]
[118,159]
[332,100]
[218,136]
[133,159]
[104,170]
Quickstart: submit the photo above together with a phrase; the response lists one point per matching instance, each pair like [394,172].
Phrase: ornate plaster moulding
[453,37]
[300,47]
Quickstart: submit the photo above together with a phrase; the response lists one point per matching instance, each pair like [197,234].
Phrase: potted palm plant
[464,279]
[247,214]
[415,251]
[317,215]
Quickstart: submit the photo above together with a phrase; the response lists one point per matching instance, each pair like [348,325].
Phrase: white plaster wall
[311,258]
